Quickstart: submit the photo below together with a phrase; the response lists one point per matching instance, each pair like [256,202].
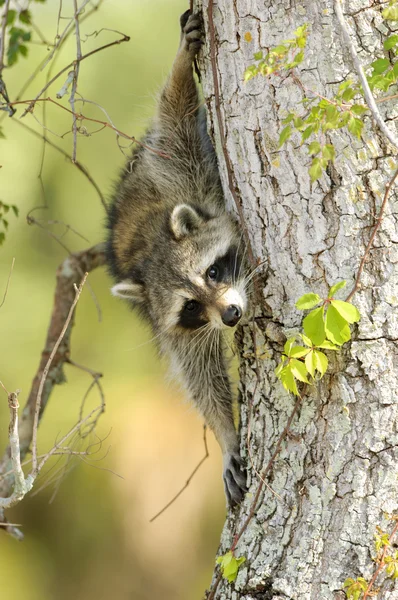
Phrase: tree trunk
[335,478]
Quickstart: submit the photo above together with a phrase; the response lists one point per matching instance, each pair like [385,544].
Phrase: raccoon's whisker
[198,337]
[249,277]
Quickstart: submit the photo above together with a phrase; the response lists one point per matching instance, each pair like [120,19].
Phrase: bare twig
[3,88]
[75,78]
[373,235]
[8,282]
[77,163]
[21,485]
[3,34]
[125,38]
[81,117]
[393,139]
[188,481]
[68,272]
[78,291]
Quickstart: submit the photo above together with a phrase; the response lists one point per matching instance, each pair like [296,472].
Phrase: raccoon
[177,255]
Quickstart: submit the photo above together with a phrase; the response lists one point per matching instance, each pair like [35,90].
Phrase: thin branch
[77,163]
[68,272]
[362,77]
[125,38]
[21,485]
[373,235]
[188,481]
[78,291]
[3,34]
[8,283]
[81,117]
[75,78]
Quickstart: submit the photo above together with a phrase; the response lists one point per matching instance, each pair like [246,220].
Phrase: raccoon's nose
[232,315]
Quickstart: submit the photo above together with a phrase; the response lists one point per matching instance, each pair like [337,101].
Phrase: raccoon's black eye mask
[191,316]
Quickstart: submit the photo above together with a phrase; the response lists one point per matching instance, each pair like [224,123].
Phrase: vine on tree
[321,115]
[325,328]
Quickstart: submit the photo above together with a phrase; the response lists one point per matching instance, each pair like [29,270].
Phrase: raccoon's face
[196,276]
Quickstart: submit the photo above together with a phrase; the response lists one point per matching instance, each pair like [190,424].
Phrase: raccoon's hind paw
[234,476]
[192,32]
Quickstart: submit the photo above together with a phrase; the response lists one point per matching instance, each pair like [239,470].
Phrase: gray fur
[168,225]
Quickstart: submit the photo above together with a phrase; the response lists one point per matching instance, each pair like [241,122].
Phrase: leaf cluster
[287,55]
[229,565]
[322,115]
[327,327]
[355,587]
[19,32]
[4,209]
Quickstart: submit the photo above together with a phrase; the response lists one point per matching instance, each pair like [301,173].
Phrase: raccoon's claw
[192,32]
[234,479]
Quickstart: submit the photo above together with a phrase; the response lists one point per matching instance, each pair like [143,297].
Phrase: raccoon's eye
[212,272]
[192,306]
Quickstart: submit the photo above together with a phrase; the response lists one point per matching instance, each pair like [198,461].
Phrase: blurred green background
[87,530]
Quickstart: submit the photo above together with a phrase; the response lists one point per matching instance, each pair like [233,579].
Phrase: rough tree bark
[336,475]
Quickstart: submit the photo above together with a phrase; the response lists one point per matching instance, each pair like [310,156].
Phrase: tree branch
[67,274]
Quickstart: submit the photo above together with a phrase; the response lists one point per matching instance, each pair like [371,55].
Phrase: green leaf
[25,17]
[288,380]
[310,363]
[326,345]
[314,326]
[258,55]
[307,132]
[285,135]
[230,565]
[359,109]
[348,311]
[346,84]
[336,287]
[289,344]
[355,126]
[337,329]
[250,72]
[315,169]
[299,351]
[390,13]
[380,65]
[279,369]
[306,340]
[299,370]
[314,148]
[349,94]
[328,152]
[11,16]
[391,42]
[321,362]
[307,301]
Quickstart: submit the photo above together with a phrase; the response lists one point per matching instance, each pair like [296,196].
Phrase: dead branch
[67,274]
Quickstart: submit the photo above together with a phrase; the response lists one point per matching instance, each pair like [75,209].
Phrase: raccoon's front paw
[234,476]
[192,32]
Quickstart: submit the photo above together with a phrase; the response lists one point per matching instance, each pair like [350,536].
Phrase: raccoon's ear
[184,220]
[129,290]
